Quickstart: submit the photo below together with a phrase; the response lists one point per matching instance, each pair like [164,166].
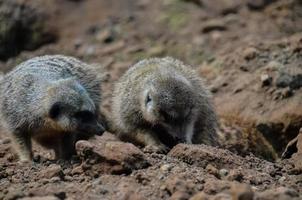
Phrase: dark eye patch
[55,110]
[85,116]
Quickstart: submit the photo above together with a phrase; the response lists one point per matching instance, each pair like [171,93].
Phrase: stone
[283,80]
[235,175]
[52,170]
[266,80]
[41,198]
[258,4]
[283,193]
[177,183]
[166,167]
[296,82]
[250,53]
[212,170]
[106,36]
[108,156]
[223,172]
[22,27]
[214,186]
[200,196]
[179,196]
[213,25]
[287,80]
[5,141]
[242,192]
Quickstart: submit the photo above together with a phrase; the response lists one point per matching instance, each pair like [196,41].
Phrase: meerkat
[160,102]
[52,99]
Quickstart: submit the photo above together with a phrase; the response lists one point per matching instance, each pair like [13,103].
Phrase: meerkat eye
[148,99]
[85,116]
[55,110]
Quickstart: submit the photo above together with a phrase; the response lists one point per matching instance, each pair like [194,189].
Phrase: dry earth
[250,53]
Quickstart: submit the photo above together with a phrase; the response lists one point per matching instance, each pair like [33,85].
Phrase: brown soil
[250,53]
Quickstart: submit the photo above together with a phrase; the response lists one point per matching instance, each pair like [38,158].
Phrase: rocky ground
[250,54]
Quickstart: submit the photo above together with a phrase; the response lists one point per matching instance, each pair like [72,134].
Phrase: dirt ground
[250,55]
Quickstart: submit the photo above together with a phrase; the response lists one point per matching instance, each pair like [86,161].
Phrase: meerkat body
[160,100]
[52,99]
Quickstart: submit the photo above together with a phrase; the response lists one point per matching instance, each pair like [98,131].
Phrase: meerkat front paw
[162,149]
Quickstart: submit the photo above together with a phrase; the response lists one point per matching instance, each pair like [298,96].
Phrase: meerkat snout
[166,104]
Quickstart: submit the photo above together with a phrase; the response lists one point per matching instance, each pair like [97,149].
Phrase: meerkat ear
[55,110]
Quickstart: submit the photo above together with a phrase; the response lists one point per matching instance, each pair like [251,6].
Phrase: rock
[166,167]
[77,170]
[235,175]
[213,25]
[222,196]
[131,195]
[53,170]
[213,186]
[14,193]
[223,172]
[296,82]
[291,81]
[266,80]
[179,184]
[200,196]
[258,4]
[197,2]
[283,193]
[5,141]
[103,156]
[250,53]
[22,27]
[202,155]
[218,7]
[106,36]
[283,80]
[242,192]
[112,47]
[212,170]
[158,50]
[179,196]
[286,92]
[40,198]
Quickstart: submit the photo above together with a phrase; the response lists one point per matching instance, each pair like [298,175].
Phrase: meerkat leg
[150,141]
[65,148]
[22,144]
[190,132]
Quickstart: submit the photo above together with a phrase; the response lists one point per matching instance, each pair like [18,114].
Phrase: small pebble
[166,167]
[223,172]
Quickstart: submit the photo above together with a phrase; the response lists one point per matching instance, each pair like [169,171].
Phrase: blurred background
[248,51]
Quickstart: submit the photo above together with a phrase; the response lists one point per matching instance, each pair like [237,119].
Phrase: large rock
[106,155]
[241,169]
[281,193]
[22,27]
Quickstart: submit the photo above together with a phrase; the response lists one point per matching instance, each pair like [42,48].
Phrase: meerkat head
[69,108]
[169,102]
